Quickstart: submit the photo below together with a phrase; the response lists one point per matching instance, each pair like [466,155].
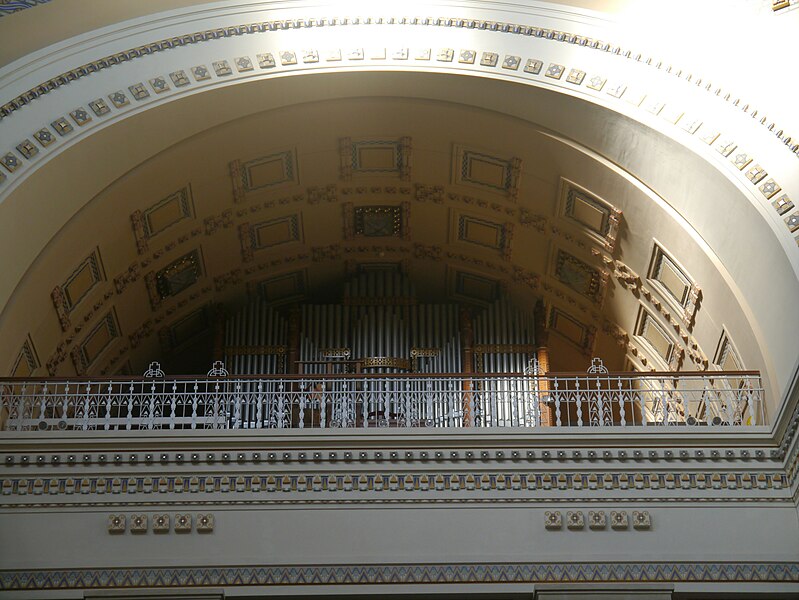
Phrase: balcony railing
[602,399]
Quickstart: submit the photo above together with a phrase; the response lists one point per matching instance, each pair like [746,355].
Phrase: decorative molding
[402,574]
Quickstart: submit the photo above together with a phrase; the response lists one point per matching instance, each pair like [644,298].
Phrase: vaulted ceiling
[123,242]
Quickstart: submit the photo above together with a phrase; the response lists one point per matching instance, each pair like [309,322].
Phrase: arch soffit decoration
[546,58]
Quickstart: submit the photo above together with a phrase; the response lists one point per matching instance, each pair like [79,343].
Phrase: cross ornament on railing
[597,366]
[218,369]
[154,371]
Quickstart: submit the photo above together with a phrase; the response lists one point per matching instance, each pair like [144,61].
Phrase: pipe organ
[379,327]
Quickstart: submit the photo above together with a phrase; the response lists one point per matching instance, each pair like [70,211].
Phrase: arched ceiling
[616,210]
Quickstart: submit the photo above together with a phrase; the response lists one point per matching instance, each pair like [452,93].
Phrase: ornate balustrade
[596,399]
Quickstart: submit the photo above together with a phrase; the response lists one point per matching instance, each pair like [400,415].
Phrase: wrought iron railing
[598,399]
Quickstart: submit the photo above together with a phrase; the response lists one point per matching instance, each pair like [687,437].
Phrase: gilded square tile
[467,57]
[422,54]
[576,76]
[27,149]
[80,116]
[741,160]
[62,126]
[355,54]
[769,188]
[243,64]
[221,68]
[793,222]
[10,162]
[597,82]
[725,146]
[99,107]
[119,99]
[44,137]
[179,78]
[138,91]
[555,71]
[756,174]
[445,55]
[310,56]
[710,136]
[617,90]
[782,204]
[533,66]
[287,57]
[511,62]
[489,59]
[265,60]
[400,54]
[200,73]
[159,84]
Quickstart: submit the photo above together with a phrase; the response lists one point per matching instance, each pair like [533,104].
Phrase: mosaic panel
[578,275]
[178,275]
[378,221]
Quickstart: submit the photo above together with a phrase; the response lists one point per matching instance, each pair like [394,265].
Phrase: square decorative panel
[596,217]
[378,221]
[186,329]
[119,99]
[274,232]
[375,157]
[496,236]
[26,361]
[289,287]
[178,275]
[221,68]
[138,91]
[44,137]
[654,335]
[467,57]
[179,78]
[266,172]
[27,149]
[61,126]
[533,66]
[674,284]
[265,61]
[727,357]
[99,107]
[80,116]
[493,173]
[200,73]
[82,280]
[475,288]
[159,85]
[579,276]
[160,216]
[511,62]
[575,76]
[597,82]
[96,342]
[489,59]
[571,329]
[555,71]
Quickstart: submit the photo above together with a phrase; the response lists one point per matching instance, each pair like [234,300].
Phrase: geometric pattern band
[711,572]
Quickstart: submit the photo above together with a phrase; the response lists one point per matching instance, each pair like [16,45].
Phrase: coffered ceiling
[613,207]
